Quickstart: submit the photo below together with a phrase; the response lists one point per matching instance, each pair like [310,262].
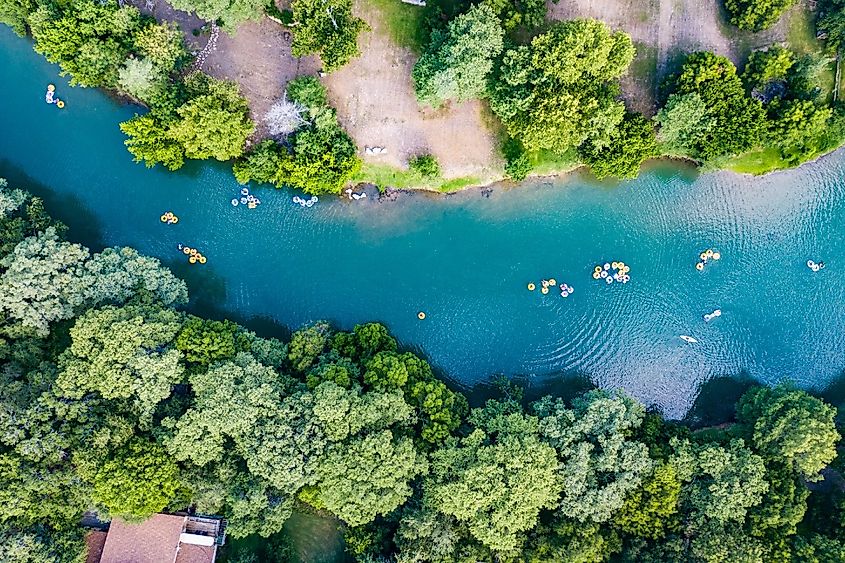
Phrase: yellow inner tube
[531,287]
[699,266]
[596,275]
[703,256]
[545,290]
[174,219]
[614,265]
[421,315]
[194,252]
[192,259]
[186,250]
[597,269]
[552,281]
[164,218]
[203,259]
[60,104]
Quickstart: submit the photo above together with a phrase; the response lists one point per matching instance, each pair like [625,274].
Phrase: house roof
[155,540]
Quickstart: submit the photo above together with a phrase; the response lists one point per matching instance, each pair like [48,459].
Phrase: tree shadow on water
[716,401]
[83,225]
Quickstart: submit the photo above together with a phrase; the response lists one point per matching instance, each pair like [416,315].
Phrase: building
[162,538]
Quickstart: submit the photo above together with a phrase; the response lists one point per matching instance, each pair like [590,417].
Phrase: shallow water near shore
[465,260]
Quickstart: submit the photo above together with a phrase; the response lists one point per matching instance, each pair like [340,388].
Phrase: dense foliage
[328,28]
[208,119]
[458,60]
[228,12]
[114,401]
[560,90]
[756,15]
[317,158]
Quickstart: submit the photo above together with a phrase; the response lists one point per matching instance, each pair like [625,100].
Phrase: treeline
[558,93]
[113,400]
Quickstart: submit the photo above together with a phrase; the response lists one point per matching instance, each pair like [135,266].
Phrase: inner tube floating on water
[202,259]
[716,255]
[531,287]
[187,250]
[60,104]
[174,220]
[164,218]
[234,202]
[596,275]
[192,259]
[699,266]
[552,281]
[421,316]
[544,291]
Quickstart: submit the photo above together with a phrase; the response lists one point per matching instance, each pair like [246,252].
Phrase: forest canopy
[115,401]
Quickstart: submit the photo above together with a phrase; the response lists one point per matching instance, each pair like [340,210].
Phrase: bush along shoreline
[116,402]
[553,86]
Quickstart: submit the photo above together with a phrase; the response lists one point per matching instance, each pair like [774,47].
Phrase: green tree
[734,122]
[163,45]
[306,345]
[631,144]
[649,510]
[798,128]
[766,66]
[368,476]
[570,541]
[14,13]
[88,39]
[683,121]
[215,122]
[229,400]
[495,480]
[204,341]
[601,466]
[122,353]
[425,166]
[343,413]
[561,90]
[41,544]
[789,426]
[515,14]
[720,483]
[386,370]
[138,481]
[457,62]
[150,142]
[756,15]
[326,28]
[229,12]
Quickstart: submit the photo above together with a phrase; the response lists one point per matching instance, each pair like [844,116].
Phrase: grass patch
[405,23]
[546,163]
[801,31]
[757,161]
[386,176]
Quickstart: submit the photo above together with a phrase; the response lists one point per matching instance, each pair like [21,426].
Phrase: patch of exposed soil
[374,97]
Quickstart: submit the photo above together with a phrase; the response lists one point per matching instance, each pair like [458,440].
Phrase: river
[465,260]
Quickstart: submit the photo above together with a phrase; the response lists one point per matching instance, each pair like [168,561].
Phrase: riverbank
[375,101]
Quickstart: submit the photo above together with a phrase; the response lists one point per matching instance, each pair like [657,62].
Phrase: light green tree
[601,466]
[682,121]
[457,62]
[122,353]
[137,481]
[786,425]
[496,483]
[649,510]
[368,476]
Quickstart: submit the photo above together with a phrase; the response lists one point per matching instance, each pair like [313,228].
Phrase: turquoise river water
[466,259]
